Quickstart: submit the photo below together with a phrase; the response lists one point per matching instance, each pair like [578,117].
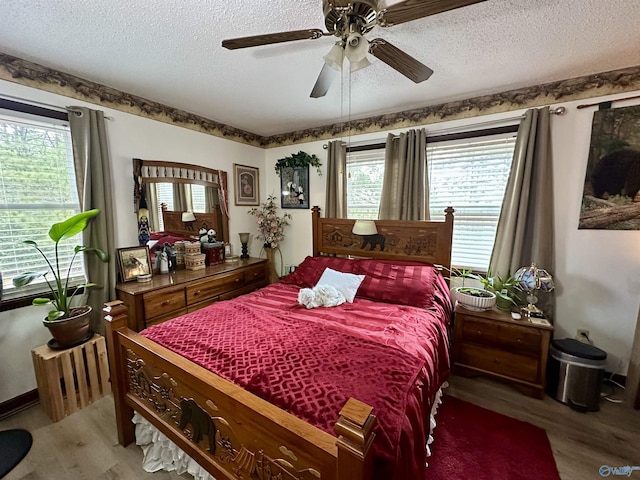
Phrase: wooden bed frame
[173,223]
[254,439]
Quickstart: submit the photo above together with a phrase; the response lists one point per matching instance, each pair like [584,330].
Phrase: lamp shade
[364,227]
[335,57]
[188,217]
[532,278]
[244,237]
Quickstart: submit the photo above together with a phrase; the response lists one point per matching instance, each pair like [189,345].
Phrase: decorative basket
[191,248]
[179,246]
[195,262]
[180,259]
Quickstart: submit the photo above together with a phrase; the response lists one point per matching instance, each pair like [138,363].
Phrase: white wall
[130,137]
[598,286]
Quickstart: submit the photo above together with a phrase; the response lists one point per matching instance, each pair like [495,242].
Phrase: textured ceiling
[169,51]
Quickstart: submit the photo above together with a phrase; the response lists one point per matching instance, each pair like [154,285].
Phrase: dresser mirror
[165,190]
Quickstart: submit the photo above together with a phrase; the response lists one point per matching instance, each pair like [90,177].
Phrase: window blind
[470,175]
[365,171]
[37,189]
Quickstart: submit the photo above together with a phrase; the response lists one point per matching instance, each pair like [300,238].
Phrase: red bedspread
[309,362]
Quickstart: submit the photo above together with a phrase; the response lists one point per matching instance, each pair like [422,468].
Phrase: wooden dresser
[492,343]
[170,295]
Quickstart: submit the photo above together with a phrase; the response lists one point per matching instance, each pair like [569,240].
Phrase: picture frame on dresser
[133,262]
[246,182]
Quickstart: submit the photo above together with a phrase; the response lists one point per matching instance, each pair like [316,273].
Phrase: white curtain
[405,187]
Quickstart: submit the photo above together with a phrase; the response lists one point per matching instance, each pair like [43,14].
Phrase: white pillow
[345,283]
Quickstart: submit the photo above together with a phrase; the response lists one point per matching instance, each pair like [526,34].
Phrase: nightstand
[491,343]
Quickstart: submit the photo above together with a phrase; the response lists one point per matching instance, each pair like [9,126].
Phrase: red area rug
[475,443]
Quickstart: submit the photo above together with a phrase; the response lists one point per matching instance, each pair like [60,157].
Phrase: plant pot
[69,332]
[503,304]
[474,299]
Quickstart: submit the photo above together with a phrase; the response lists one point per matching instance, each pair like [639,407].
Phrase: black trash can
[575,373]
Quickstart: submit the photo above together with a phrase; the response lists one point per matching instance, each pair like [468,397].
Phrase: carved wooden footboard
[230,432]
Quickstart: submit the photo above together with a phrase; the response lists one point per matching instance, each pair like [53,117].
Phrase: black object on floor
[14,445]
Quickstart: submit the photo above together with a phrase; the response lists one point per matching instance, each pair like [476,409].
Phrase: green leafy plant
[59,285]
[505,288]
[300,159]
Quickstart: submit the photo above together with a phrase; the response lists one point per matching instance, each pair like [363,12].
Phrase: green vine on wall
[298,160]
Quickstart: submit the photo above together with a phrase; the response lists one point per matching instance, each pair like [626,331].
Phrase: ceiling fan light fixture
[360,64]
[356,48]
[335,57]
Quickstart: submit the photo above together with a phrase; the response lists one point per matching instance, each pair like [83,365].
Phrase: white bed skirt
[160,453]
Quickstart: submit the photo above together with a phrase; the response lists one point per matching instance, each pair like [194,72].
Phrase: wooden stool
[73,378]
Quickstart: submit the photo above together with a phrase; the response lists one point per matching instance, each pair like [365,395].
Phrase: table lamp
[187,220]
[244,239]
[531,279]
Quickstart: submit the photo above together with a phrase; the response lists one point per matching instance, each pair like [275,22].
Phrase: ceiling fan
[349,21]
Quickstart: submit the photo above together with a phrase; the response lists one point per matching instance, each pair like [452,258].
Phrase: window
[364,183]
[37,189]
[164,192]
[469,174]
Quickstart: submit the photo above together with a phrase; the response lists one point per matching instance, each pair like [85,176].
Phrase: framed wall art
[294,187]
[133,262]
[247,185]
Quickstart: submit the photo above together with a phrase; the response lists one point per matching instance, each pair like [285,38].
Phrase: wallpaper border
[31,74]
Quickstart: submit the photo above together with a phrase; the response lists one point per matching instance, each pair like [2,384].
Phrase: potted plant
[471,298]
[299,160]
[505,288]
[67,324]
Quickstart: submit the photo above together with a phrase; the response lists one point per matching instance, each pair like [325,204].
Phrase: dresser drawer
[255,273]
[512,365]
[201,291]
[162,302]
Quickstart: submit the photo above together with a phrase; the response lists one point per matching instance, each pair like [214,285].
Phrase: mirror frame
[158,171]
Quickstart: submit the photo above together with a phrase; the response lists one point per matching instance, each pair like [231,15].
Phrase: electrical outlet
[583,336]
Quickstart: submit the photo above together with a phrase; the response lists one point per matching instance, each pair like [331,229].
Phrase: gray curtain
[525,232]
[182,200]
[93,178]
[210,199]
[336,198]
[405,187]
[151,196]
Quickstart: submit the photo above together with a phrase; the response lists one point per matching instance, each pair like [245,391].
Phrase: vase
[271,264]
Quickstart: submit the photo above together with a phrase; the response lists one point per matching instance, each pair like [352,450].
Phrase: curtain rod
[554,111]
[57,108]
[587,105]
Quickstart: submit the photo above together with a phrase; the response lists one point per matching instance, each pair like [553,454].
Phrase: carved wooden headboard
[173,222]
[396,239]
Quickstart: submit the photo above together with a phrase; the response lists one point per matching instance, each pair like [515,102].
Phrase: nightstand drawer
[504,363]
[480,333]
[519,339]
[163,301]
[201,291]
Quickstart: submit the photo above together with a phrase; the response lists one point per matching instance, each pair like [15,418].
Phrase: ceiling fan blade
[324,81]
[269,38]
[414,9]
[399,60]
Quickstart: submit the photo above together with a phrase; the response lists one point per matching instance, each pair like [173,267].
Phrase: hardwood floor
[84,445]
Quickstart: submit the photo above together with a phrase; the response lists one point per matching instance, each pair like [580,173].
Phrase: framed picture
[247,185]
[134,261]
[294,187]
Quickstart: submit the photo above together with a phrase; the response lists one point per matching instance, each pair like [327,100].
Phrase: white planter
[473,302]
